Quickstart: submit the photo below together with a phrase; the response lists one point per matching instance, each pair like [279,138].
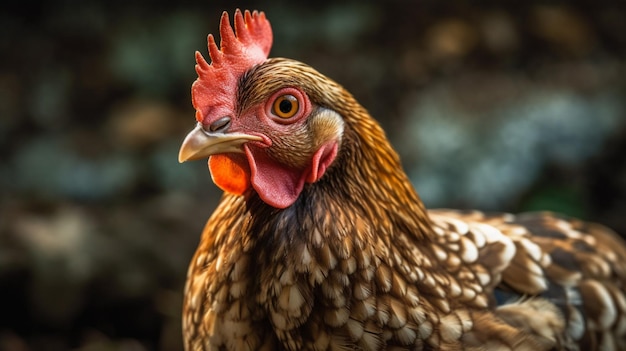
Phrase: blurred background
[509,106]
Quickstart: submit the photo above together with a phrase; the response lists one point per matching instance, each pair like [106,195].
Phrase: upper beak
[201,144]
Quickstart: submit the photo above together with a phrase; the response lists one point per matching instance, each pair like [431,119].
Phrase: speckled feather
[358,263]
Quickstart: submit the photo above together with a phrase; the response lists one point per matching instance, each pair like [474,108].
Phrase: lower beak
[200,144]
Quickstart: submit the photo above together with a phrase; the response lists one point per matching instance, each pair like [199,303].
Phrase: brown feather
[358,263]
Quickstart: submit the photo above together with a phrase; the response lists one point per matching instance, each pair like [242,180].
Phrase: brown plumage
[321,242]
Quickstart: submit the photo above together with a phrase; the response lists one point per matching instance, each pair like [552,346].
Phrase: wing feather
[573,268]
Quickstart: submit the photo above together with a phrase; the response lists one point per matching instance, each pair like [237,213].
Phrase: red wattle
[279,186]
[230,172]
[276,185]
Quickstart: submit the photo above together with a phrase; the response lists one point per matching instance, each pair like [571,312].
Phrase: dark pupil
[285,106]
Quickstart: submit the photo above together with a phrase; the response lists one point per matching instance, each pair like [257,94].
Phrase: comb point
[201,62]
[214,51]
[240,27]
[227,35]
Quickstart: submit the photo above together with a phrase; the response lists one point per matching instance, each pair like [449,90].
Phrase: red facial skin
[278,184]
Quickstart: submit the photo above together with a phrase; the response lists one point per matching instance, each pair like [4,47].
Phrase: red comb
[212,94]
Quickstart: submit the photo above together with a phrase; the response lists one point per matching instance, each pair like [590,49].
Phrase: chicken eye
[285,106]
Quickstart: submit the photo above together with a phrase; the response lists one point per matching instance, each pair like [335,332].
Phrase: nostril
[220,125]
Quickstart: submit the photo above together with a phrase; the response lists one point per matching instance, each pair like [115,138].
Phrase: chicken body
[342,255]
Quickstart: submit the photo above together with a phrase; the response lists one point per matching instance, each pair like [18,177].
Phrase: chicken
[320,241]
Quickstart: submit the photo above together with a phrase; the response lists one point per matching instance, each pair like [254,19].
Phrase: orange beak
[199,144]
